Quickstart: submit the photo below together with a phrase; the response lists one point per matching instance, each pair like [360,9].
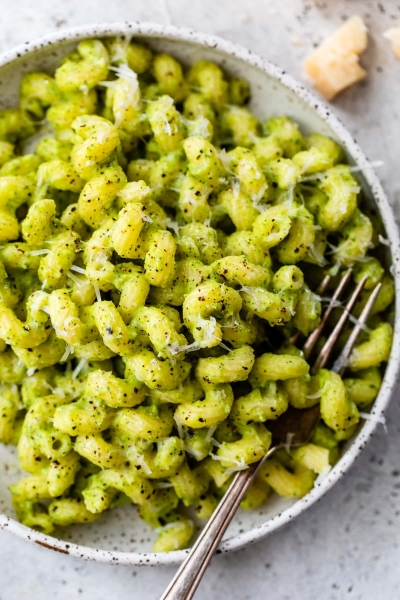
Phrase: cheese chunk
[393,34]
[334,65]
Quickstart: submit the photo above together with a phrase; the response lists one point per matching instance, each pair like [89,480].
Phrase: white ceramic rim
[389,382]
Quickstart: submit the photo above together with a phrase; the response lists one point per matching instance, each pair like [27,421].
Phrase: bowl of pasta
[170,203]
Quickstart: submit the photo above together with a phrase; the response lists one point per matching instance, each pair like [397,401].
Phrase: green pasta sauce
[160,255]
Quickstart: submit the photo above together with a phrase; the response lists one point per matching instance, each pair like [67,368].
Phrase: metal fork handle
[184,584]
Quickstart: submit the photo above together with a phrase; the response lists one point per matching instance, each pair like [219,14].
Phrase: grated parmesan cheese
[200,127]
[78,269]
[240,465]
[196,453]
[251,291]
[167,126]
[215,442]
[163,485]
[48,386]
[224,346]
[375,419]
[226,160]
[339,249]
[235,185]
[233,323]
[288,443]
[208,326]
[132,98]
[383,240]
[58,391]
[140,459]
[96,291]
[174,349]
[356,321]
[81,365]
[39,252]
[179,428]
[68,350]
[210,434]
[314,396]
[75,279]
[317,255]
[40,302]
[372,165]
[256,200]
[120,49]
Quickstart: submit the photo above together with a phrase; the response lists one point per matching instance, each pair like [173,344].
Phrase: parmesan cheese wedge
[393,35]
[334,65]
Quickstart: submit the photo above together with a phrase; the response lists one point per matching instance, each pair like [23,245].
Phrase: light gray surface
[348,545]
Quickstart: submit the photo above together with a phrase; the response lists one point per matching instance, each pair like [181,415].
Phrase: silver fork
[299,423]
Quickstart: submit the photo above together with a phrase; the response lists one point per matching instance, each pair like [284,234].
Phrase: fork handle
[189,575]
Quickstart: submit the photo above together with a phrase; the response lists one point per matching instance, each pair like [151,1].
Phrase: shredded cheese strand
[375,419]
[81,365]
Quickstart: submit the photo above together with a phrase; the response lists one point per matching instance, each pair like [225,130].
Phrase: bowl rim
[146,29]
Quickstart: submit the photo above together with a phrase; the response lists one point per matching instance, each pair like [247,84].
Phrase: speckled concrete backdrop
[346,547]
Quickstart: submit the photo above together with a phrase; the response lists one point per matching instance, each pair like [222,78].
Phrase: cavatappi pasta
[159,248]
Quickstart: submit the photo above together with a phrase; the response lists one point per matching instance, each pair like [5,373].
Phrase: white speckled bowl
[121,537]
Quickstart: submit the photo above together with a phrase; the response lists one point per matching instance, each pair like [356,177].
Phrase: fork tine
[331,341]
[341,362]
[320,290]
[324,284]
[314,336]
